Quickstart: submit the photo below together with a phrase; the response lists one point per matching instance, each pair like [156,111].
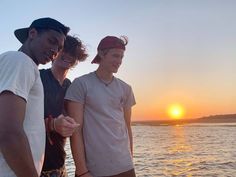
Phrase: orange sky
[178,51]
[154,107]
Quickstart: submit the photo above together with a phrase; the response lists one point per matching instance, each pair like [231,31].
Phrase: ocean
[204,150]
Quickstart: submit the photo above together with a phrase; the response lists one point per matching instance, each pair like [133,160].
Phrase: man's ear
[100,54]
[32,33]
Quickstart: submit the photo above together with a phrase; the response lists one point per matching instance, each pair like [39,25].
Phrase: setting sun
[175,111]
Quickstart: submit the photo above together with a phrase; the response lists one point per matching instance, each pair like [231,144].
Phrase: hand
[65,125]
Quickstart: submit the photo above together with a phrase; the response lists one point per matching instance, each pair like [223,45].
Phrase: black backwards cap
[41,23]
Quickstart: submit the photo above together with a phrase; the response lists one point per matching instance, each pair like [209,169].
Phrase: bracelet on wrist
[82,174]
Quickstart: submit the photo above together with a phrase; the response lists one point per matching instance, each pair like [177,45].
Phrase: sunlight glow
[175,111]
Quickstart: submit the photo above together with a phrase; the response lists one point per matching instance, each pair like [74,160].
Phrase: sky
[179,51]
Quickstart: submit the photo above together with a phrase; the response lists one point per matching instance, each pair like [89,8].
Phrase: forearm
[130,139]
[127,116]
[16,151]
[78,152]
[76,110]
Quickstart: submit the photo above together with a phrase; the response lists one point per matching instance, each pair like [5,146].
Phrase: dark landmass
[227,118]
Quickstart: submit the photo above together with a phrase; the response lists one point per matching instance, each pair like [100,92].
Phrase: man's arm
[127,115]
[14,144]
[76,110]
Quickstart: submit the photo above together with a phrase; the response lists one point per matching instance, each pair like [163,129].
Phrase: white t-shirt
[105,134]
[20,75]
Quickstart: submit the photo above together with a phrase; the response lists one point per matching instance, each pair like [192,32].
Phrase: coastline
[227,118]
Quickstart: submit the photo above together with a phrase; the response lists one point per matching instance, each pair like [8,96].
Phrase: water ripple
[204,150]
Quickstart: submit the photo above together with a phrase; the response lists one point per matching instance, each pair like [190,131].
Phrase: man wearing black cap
[22,130]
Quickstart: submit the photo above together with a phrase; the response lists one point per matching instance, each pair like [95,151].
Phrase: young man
[101,104]
[22,130]
[58,126]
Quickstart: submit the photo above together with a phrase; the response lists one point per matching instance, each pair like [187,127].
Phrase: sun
[175,111]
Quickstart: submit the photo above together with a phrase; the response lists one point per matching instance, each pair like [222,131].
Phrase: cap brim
[96,59]
[21,34]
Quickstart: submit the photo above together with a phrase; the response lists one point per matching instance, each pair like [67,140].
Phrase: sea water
[181,150]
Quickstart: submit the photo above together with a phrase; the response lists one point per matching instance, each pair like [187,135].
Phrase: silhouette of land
[227,118]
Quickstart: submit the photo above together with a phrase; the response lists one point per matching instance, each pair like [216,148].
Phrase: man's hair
[74,46]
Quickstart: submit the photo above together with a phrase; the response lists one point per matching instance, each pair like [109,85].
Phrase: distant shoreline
[227,118]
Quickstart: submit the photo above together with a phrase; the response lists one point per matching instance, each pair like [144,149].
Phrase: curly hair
[74,46]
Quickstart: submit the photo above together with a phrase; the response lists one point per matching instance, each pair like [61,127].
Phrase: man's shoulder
[16,58]
[11,54]
[45,77]
[123,83]
[67,82]
[84,77]
[44,72]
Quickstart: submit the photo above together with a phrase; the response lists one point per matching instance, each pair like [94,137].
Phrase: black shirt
[53,106]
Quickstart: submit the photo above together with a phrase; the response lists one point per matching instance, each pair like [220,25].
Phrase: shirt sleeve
[17,75]
[130,99]
[76,91]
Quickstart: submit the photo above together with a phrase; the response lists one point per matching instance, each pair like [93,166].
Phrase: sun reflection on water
[180,162]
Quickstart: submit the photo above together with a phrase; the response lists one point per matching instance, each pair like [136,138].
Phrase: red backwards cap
[110,42]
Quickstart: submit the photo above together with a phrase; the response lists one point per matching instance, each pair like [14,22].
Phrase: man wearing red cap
[101,104]
[22,130]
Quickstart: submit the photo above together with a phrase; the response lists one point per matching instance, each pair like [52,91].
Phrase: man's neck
[104,75]
[59,74]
